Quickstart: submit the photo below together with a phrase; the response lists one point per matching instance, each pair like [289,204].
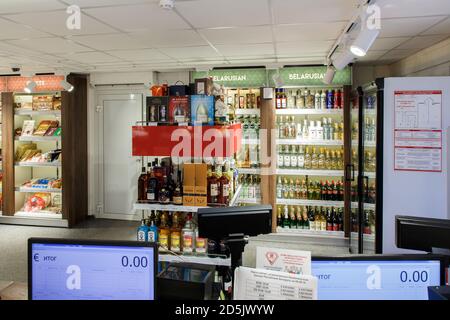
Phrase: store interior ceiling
[127,35]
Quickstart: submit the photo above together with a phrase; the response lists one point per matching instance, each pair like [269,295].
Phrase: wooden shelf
[302,172]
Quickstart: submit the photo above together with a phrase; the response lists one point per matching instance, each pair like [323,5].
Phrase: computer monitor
[378,277]
[423,234]
[221,222]
[63,269]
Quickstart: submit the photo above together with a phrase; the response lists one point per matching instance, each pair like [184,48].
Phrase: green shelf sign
[235,78]
[310,76]
[291,76]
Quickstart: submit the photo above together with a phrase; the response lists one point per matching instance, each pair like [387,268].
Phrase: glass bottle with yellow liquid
[164,232]
[314,159]
[175,233]
[322,162]
[307,159]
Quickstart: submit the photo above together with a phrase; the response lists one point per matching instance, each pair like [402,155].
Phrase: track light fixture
[29,88]
[66,85]
[329,75]
[343,59]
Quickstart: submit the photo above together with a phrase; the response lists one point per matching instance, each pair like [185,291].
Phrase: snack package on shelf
[43,183]
[37,202]
[56,103]
[44,126]
[41,103]
[23,102]
[21,149]
[57,132]
[28,128]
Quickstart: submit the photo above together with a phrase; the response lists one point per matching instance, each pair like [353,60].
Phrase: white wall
[172,77]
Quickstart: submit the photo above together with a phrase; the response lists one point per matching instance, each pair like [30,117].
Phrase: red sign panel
[187,141]
[44,83]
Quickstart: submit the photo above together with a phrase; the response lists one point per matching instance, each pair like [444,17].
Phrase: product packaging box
[202,110]
[158,109]
[201,171]
[189,178]
[201,201]
[203,86]
[179,109]
[188,200]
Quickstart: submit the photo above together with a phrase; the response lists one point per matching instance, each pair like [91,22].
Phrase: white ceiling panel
[11,30]
[372,55]
[139,55]
[55,23]
[50,45]
[441,28]
[191,52]
[15,6]
[396,54]
[229,13]
[295,11]
[110,42]
[413,8]
[173,38]
[406,27]
[139,17]
[309,31]
[250,49]
[242,35]
[388,43]
[421,42]
[101,3]
[92,57]
[298,48]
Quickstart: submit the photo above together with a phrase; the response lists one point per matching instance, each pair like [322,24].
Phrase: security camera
[167,4]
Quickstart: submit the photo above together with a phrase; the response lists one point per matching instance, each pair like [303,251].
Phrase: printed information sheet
[418,131]
[290,261]
[257,284]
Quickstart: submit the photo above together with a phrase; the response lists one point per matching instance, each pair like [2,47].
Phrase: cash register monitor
[383,277]
[62,269]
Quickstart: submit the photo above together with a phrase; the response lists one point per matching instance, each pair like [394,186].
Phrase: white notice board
[418,130]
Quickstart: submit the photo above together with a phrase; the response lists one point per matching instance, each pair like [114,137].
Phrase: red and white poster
[418,131]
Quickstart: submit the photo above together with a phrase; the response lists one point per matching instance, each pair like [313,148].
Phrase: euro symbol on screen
[36,257]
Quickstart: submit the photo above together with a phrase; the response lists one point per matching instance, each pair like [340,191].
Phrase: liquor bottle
[293,218]
[330,99]
[164,193]
[213,187]
[142,231]
[312,220]
[304,190]
[201,244]
[224,186]
[305,129]
[244,189]
[178,192]
[291,99]
[310,99]
[257,188]
[340,220]
[280,157]
[152,186]
[291,189]
[301,158]
[319,131]
[329,219]
[287,157]
[323,100]
[299,218]
[175,233]
[285,189]
[314,159]
[280,131]
[142,185]
[366,226]
[251,188]
[152,233]
[283,99]
[188,235]
[326,129]
[294,158]
[337,99]
[300,101]
[164,232]
[321,164]
[279,188]
[334,220]
[293,128]
[307,159]
[311,191]
[323,220]
[286,222]
[279,217]
[331,129]
[317,100]
[312,132]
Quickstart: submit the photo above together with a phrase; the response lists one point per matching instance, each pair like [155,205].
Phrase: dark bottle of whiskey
[329,220]
[152,186]
[164,193]
[213,187]
[224,188]
[142,185]
[334,219]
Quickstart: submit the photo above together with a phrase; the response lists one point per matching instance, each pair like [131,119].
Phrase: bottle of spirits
[305,130]
[175,233]
[279,217]
[178,192]
[323,100]
[301,158]
[279,188]
[300,100]
[286,222]
[334,220]
[312,219]
[224,186]
[280,157]
[337,99]
[142,186]
[319,131]
[323,220]
[293,219]
[307,159]
[213,187]
[201,244]
[312,130]
[152,187]
[314,159]
[188,235]
[258,188]
[330,99]
[321,159]
[317,100]
[142,231]
[152,233]
[164,194]
[294,157]
[164,232]
[287,157]
[329,219]
[299,218]
[283,99]
[251,188]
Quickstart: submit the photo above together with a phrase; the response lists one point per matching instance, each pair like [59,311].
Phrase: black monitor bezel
[117,243]
[391,257]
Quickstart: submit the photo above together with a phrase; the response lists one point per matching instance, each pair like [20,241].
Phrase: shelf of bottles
[246,104]
[310,161]
[37,123]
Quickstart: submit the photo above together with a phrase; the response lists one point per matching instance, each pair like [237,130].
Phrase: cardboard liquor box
[188,200]
[202,110]
[201,201]
[203,86]
[201,173]
[179,109]
[157,109]
[188,178]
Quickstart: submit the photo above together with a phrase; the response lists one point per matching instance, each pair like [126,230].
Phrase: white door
[118,169]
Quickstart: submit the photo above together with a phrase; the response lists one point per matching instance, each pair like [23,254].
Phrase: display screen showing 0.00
[68,272]
[376,280]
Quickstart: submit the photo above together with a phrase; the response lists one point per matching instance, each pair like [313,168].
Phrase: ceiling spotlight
[343,59]
[29,88]
[167,4]
[329,75]
[67,86]
[364,41]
